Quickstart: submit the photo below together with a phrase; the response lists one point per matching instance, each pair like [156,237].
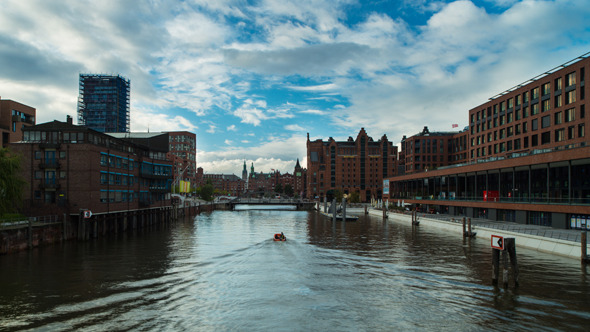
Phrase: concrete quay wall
[559,247]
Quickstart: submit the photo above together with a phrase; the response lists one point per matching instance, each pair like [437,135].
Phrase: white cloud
[228,142]
[232,128]
[281,153]
[294,127]
[211,129]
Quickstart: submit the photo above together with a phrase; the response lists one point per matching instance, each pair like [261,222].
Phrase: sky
[252,78]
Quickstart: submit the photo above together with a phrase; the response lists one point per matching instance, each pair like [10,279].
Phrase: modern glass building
[103,104]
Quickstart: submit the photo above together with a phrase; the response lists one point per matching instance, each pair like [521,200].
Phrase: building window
[525,97]
[525,127]
[38,155]
[546,137]
[570,79]
[570,115]
[534,140]
[534,124]
[546,89]
[517,129]
[37,194]
[62,154]
[545,121]
[581,130]
[570,132]
[510,115]
[570,97]
[525,142]
[557,119]
[103,178]
[558,101]
[535,109]
[38,175]
[559,135]
[546,105]
[534,93]
[525,112]
[558,84]
[517,144]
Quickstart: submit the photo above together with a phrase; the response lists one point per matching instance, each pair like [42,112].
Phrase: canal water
[223,272]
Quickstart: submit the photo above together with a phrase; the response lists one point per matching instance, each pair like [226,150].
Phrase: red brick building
[430,150]
[69,167]
[356,165]
[528,157]
[183,152]
[14,117]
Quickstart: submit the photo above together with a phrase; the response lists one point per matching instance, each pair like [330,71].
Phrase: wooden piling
[508,252]
[510,245]
[584,245]
[334,210]
[343,209]
[495,266]
[464,228]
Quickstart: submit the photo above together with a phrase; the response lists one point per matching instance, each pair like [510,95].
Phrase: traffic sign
[87,214]
[498,242]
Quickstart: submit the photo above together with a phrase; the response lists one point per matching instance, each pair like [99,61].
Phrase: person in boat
[282,236]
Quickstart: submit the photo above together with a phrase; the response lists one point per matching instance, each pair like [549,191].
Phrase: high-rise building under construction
[103,104]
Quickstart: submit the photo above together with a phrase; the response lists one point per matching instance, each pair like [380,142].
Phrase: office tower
[103,104]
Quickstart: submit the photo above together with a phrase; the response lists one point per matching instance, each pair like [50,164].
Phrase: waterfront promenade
[562,242]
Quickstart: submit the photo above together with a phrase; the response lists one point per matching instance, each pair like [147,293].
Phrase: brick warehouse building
[528,159]
[69,167]
[350,166]
[14,116]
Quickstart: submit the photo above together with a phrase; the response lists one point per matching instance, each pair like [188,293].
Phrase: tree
[279,188]
[354,197]
[338,194]
[11,182]
[288,190]
[207,192]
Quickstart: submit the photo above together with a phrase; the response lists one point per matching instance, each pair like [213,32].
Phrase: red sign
[498,242]
[491,195]
[87,214]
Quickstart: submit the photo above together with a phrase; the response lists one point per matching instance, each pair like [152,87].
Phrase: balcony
[49,185]
[49,145]
[51,164]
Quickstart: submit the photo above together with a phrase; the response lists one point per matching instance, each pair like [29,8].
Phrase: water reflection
[223,271]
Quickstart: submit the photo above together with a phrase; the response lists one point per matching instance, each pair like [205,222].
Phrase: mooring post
[510,245]
[343,209]
[469,227]
[333,207]
[384,211]
[64,225]
[495,266]
[464,229]
[366,212]
[584,245]
[505,268]
[30,235]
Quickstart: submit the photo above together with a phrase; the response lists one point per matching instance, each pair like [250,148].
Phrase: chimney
[69,119]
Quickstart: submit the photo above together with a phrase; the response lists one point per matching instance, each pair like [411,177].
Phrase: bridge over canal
[297,204]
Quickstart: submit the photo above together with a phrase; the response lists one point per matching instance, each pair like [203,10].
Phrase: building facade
[103,103]
[430,150]
[14,117]
[229,184]
[183,152]
[528,159]
[69,167]
[356,165]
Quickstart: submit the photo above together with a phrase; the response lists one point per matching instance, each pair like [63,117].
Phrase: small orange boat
[280,237]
